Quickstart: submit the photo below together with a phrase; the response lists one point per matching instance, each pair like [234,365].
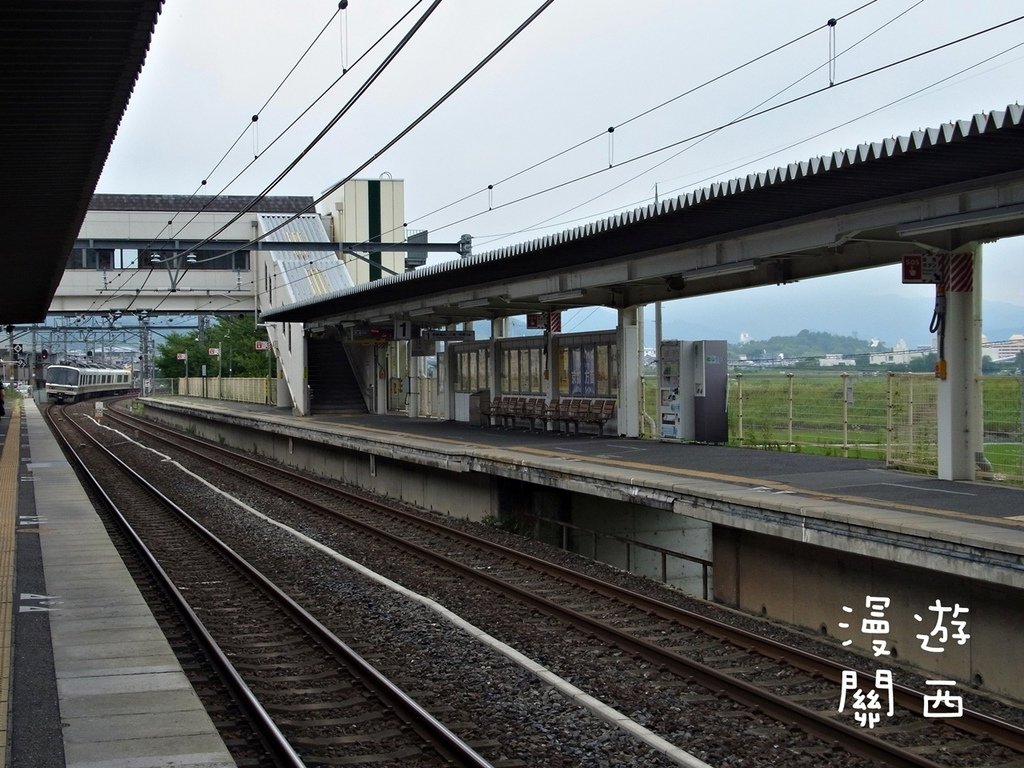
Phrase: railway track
[790,685]
[308,696]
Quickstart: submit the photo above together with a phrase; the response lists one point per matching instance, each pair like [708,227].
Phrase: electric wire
[624,122]
[867,114]
[401,134]
[731,123]
[833,57]
[392,55]
[644,113]
[848,80]
[582,143]
[280,135]
[227,152]
[759,158]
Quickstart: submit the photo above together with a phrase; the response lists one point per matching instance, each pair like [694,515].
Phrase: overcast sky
[581,67]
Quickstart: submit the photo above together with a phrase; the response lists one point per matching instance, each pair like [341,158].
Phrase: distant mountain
[758,314]
[804,345]
[851,307]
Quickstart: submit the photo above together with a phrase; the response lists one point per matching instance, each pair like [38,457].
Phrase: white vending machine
[693,382]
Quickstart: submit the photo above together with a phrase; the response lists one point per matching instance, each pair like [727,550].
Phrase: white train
[71,383]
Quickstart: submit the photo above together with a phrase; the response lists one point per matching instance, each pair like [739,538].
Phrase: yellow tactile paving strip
[10,460]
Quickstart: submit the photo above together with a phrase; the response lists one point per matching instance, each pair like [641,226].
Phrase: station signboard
[371,333]
[432,335]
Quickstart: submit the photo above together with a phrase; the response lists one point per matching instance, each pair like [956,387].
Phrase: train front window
[65,376]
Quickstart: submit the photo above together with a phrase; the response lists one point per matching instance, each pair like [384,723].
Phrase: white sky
[583,66]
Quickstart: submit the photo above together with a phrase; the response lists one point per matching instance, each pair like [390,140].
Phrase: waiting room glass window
[471,370]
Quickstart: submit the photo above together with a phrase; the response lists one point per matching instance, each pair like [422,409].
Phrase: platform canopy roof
[929,191]
[67,71]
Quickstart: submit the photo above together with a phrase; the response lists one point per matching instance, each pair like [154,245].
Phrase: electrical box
[693,382]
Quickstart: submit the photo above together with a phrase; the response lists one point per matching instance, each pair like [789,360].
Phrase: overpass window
[91,258]
[238,261]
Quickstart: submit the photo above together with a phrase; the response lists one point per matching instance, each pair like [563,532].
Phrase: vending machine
[693,382]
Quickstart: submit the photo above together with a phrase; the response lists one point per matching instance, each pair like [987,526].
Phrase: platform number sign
[403,330]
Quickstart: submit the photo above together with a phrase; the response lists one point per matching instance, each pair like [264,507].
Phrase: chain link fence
[892,417]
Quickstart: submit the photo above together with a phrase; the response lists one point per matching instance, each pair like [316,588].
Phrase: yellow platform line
[780,487]
[10,461]
[697,474]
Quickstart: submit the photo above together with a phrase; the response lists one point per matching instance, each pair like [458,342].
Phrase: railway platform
[794,537]
[857,491]
[87,678]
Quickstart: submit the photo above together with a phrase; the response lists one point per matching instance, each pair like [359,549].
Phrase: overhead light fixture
[702,273]
[474,303]
[957,220]
[547,298]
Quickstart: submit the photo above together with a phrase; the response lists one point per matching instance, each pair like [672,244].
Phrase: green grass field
[871,416]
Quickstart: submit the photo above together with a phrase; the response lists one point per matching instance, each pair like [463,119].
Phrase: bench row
[506,410]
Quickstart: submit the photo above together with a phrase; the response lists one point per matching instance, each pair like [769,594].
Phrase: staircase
[333,385]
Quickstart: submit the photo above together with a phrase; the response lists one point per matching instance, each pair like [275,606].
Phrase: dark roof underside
[67,70]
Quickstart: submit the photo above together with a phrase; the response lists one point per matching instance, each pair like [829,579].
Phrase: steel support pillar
[960,419]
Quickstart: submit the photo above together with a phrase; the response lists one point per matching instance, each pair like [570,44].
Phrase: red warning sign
[923,267]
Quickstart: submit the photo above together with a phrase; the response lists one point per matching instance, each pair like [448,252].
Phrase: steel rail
[447,744]
[971,721]
[854,740]
[276,744]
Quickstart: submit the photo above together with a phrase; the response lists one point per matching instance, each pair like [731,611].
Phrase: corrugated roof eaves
[838,160]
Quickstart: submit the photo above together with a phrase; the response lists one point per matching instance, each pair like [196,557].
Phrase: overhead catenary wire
[323,94]
[696,182]
[250,125]
[864,74]
[320,136]
[401,134]
[833,55]
[734,122]
[791,101]
[490,187]
[640,115]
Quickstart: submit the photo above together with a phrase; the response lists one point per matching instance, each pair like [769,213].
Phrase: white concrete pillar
[960,417]
[501,327]
[630,348]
